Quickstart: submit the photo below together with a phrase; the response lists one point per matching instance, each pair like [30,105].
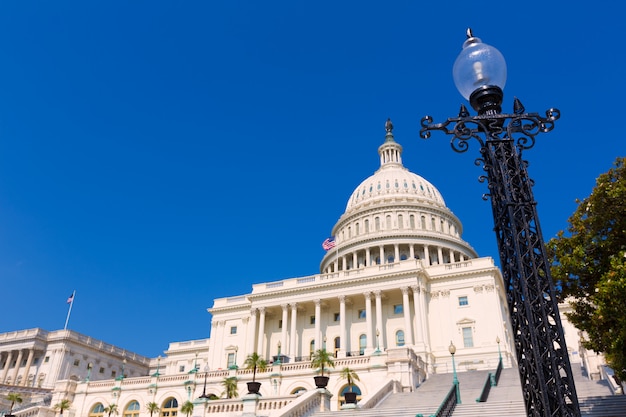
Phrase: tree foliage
[323,360]
[152,408]
[15,398]
[230,387]
[589,266]
[63,405]
[187,408]
[349,375]
[255,362]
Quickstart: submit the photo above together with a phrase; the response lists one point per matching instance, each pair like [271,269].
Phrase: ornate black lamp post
[545,372]
[455,380]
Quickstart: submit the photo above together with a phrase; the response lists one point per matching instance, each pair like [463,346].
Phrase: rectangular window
[231,360]
[463,301]
[36,361]
[336,317]
[46,359]
[312,320]
[101,370]
[233,329]
[397,309]
[76,362]
[113,373]
[468,339]
[181,368]
[361,314]
[280,324]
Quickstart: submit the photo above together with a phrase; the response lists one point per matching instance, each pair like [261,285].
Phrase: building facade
[397,287]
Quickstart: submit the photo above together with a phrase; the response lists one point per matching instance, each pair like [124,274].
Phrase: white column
[419,339]
[261,337]
[439,255]
[251,342]
[368,258]
[292,344]
[452,260]
[6,367]
[368,320]
[427,255]
[343,345]
[411,251]
[20,353]
[318,323]
[29,361]
[283,334]
[396,255]
[381,250]
[408,334]
[379,320]
[355,261]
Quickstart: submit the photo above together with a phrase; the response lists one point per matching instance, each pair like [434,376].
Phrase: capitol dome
[395,215]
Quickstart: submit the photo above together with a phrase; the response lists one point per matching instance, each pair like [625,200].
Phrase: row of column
[288,340]
[8,360]
[423,252]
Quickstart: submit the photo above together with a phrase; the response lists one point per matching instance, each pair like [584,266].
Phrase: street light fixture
[545,371]
[499,352]
[204,396]
[455,380]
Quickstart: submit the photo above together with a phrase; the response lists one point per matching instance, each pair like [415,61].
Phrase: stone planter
[321,381]
[253,387]
[350,397]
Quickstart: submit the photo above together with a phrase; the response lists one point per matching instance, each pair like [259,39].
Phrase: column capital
[284,306]
[378,293]
[416,289]
[318,301]
[367,295]
[261,310]
[294,306]
[342,298]
[405,290]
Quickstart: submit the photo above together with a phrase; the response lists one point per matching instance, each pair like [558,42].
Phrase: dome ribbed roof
[393,181]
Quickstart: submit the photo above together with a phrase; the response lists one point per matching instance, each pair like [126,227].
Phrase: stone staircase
[505,399]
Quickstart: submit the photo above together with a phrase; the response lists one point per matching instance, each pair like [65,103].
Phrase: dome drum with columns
[395,215]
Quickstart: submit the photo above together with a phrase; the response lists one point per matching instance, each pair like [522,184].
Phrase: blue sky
[157,155]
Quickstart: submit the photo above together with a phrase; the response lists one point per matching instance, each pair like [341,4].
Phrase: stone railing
[305,405]
[378,396]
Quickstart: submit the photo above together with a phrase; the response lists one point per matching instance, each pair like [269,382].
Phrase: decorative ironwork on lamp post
[545,371]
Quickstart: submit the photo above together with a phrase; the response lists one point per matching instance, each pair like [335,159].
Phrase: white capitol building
[397,288]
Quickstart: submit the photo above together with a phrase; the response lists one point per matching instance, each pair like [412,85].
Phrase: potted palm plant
[187,408]
[321,360]
[255,362]
[349,375]
[62,406]
[15,398]
[230,387]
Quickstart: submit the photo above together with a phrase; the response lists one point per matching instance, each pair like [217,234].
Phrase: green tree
[111,409]
[152,408]
[254,362]
[15,398]
[187,408]
[588,266]
[322,359]
[230,387]
[349,375]
[63,405]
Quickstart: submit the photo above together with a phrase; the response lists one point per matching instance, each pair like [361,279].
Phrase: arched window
[390,259]
[366,226]
[97,411]
[132,409]
[362,344]
[170,408]
[400,338]
[298,390]
[412,221]
[400,221]
[424,222]
[356,229]
[377,223]
[388,220]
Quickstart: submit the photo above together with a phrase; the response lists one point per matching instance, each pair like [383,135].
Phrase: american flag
[70,299]
[329,243]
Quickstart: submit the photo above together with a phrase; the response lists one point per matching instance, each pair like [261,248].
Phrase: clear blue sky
[157,155]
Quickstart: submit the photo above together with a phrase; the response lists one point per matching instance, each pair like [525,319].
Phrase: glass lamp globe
[478,65]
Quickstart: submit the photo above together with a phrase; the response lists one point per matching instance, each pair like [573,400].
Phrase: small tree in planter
[187,408]
[349,375]
[63,405]
[15,398]
[323,360]
[254,362]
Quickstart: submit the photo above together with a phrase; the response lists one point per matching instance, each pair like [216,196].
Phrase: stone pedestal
[250,402]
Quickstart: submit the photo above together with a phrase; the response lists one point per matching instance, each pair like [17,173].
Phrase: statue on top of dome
[388,125]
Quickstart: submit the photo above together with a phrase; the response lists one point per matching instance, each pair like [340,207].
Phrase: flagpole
[69,311]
